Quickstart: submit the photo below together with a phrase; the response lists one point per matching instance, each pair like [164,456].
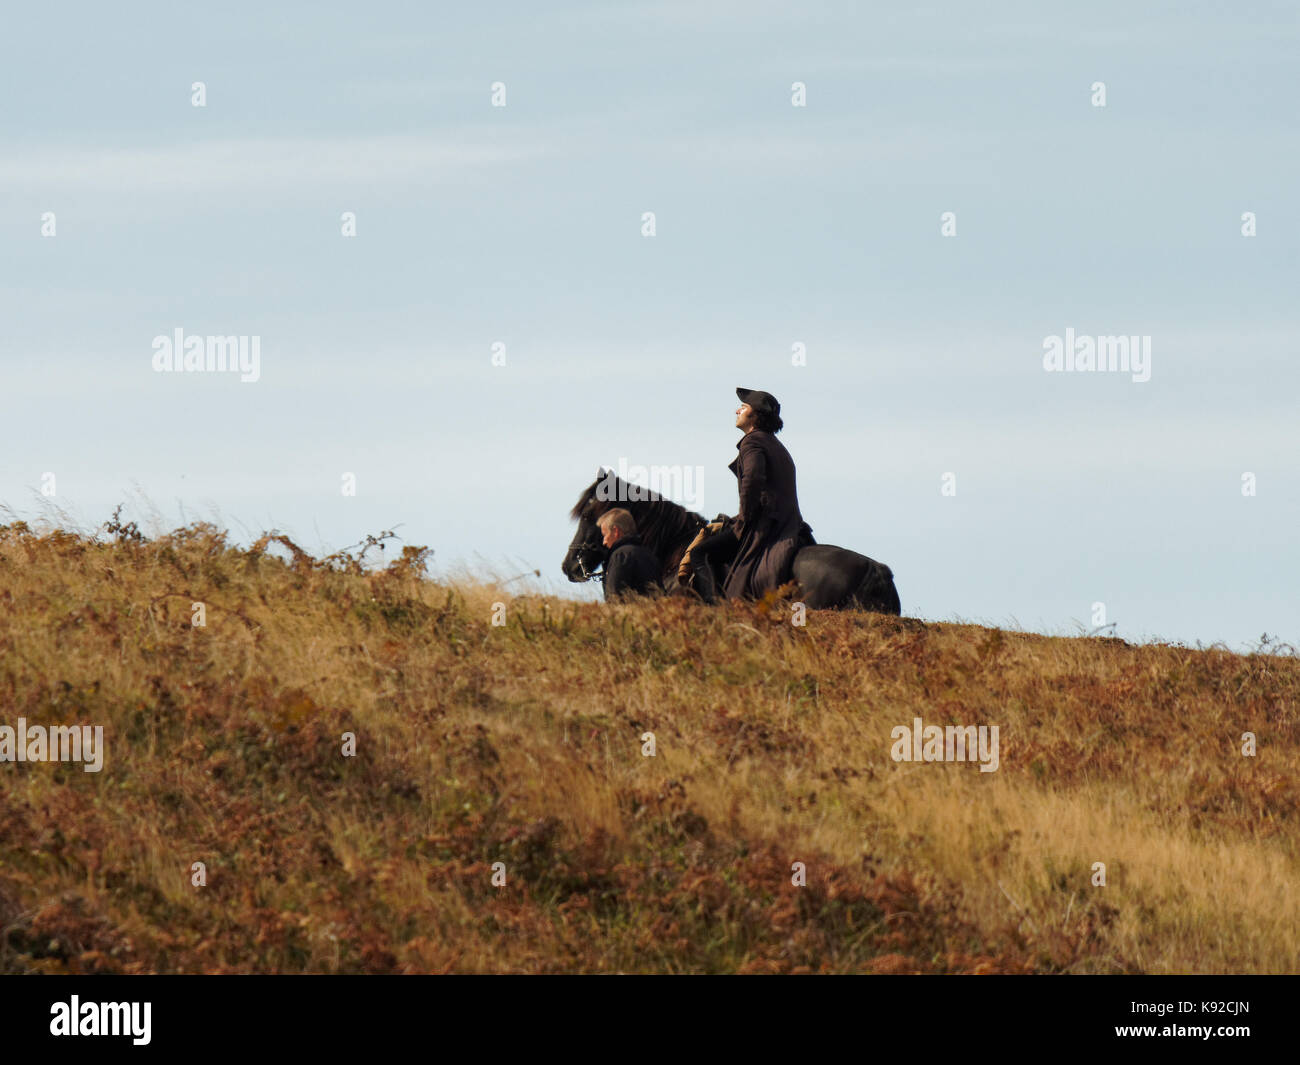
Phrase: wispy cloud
[181,169]
[733,15]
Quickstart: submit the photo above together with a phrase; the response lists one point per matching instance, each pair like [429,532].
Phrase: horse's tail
[876,590]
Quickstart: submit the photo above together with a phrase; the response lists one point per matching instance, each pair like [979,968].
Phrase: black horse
[828,577]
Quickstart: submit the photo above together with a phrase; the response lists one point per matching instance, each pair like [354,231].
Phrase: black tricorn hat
[762,401]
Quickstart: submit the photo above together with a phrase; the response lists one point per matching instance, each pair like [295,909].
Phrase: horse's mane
[662,524]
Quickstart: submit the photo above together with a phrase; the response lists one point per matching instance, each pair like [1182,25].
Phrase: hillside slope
[522,743]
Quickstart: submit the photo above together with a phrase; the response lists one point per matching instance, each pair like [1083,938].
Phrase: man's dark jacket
[769,526]
[632,568]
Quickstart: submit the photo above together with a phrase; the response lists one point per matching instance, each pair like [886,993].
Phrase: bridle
[589,549]
[585,573]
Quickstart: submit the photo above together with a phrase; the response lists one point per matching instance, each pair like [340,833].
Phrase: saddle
[684,569]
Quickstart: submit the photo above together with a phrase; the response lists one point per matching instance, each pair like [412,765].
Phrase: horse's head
[587,549]
[665,527]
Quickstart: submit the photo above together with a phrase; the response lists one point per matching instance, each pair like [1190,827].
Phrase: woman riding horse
[761,541]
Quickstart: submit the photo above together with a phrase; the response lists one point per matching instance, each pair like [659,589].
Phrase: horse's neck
[673,535]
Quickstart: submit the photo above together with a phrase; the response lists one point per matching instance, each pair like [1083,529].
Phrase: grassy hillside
[522,744]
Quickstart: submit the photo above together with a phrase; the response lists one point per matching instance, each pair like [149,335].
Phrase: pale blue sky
[775,225]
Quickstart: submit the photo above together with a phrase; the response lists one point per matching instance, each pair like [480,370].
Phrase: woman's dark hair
[767,421]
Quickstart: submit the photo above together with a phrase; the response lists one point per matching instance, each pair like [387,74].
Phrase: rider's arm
[753,479]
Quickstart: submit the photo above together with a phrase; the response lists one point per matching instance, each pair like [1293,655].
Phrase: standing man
[631,568]
[762,540]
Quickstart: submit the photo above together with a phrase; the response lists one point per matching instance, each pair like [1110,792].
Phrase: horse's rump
[831,576]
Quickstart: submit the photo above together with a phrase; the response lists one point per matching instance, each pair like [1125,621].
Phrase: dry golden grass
[522,744]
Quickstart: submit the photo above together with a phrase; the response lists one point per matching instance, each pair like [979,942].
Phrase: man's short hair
[620,519]
[768,422]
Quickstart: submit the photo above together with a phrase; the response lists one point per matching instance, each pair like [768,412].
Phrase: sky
[926,430]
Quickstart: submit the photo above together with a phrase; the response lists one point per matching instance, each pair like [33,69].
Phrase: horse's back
[833,576]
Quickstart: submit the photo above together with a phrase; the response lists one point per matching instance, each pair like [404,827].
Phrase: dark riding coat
[769,526]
